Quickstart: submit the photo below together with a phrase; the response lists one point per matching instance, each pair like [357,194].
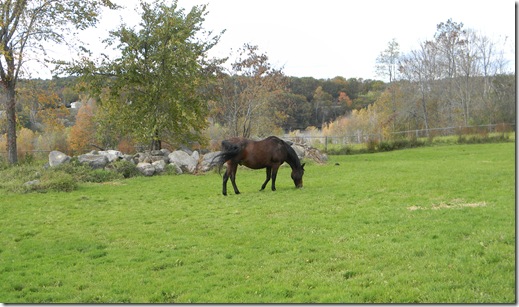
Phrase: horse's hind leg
[225,178]
[269,169]
[232,175]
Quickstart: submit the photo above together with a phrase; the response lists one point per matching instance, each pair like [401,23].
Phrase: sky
[328,38]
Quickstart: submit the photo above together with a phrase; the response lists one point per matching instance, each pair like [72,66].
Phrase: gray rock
[183,160]
[300,151]
[177,169]
[195,155]
[159,165]
[146,169]
[112,155]
[208,162]
[165,152]
[32,182]
[95,161]
[57,157]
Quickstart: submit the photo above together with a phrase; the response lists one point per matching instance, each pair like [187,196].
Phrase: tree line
[163,88]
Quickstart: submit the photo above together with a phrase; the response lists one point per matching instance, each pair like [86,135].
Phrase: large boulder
[300,150]
[147,169]
[112,155]
[151,156]
[57,158]
[208,161]
[95,161]
[183,160]
[159,166]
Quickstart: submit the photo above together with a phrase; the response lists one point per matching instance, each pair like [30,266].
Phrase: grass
[373,145]
[424,225]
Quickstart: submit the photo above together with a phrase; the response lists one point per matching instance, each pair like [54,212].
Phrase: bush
[81,172]
[125,168]
[100,175]
[372,145]
[57,181]
[385,146]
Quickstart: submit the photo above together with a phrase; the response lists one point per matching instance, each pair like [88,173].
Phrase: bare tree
[387,66]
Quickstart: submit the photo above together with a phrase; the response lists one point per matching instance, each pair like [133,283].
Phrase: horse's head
[297,176]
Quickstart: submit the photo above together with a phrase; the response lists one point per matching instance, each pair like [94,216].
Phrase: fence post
[326,144]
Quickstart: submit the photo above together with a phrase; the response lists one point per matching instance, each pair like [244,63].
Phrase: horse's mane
[292,158]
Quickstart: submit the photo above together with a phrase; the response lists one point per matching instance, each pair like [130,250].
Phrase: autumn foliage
[83,132]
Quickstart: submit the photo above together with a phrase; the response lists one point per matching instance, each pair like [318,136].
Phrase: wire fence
[361,137]
[354,138]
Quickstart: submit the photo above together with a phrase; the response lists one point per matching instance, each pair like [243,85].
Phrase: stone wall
[154,162]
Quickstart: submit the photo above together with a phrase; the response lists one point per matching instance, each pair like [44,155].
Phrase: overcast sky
[329,38]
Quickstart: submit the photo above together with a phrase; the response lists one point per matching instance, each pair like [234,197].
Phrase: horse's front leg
[274,175]
[269,170]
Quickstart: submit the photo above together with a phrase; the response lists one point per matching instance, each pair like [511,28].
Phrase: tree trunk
[156,144]
[12,152]
[425,115]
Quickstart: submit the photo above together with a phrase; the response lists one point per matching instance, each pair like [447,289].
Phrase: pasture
[424,225]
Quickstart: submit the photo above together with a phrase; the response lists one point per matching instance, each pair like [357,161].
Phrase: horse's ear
[303,166]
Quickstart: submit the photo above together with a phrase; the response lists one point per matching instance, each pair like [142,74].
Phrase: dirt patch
[454,204]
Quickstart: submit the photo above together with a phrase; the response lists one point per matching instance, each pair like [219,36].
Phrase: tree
[154,90]
[246,92]
[387,66]
[24,25]
[82,134]
[387,61]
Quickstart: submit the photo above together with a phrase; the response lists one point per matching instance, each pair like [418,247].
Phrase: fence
[359,137]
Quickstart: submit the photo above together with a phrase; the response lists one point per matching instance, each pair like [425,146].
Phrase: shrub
[125,168]
[385,146]
[372,145]
[79,171]
[100,175]
[57,181]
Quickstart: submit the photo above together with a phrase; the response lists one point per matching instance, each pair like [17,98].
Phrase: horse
[269,153]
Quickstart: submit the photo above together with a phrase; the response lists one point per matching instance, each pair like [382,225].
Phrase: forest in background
[169,95]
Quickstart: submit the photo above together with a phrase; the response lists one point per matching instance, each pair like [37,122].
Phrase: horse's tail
[229,151]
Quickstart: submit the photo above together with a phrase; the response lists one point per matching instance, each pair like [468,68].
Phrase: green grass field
[425,225]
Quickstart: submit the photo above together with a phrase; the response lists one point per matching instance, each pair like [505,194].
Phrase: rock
[159,165]
[157,153]
[95,161]
[195,155]
[128,158]
[207,162]
[57,157]
[112,155]
[316,155]
[183,160]
[32,182]
[300,151]
[177,169]
[146,169]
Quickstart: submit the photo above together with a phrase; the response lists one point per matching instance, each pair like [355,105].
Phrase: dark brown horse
[269,153]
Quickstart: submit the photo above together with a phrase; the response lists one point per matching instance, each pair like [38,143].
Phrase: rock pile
[154,162]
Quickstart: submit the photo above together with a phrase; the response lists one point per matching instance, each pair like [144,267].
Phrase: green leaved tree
[155,90]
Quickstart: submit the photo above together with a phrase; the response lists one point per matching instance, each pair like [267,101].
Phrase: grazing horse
[269,153]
